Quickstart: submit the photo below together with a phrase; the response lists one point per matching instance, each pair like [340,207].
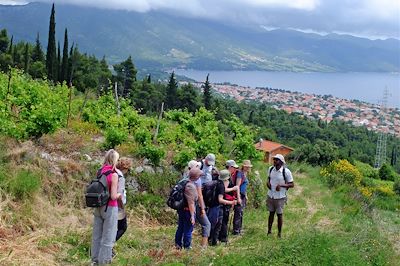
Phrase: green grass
[321,227]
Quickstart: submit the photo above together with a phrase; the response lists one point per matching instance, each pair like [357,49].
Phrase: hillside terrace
[324,107]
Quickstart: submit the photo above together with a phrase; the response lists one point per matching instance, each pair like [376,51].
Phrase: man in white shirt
[279,180]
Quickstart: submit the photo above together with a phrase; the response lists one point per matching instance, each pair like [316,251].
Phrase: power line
[380,155]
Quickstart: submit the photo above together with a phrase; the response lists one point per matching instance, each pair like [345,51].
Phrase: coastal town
[324,107]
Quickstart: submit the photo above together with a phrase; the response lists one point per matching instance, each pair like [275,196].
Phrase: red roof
[269,146]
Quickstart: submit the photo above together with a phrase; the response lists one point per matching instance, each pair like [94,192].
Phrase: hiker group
[204,194]
[209,196]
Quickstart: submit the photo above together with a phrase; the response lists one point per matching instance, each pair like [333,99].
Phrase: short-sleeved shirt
[207,172]
[220,190]
[277,178]
[191,193]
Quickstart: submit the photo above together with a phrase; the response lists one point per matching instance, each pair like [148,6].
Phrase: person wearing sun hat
[213,212]
[280,179]
[223,207]
[238,209]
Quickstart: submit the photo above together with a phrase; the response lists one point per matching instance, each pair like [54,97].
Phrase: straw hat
[247,163]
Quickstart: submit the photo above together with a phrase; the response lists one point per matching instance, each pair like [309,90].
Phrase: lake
[368,87]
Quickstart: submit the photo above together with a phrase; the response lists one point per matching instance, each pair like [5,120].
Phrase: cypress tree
[3,40]
[70,64]
[149,78]
[51,48]
[37,53]
[64,64]
[10,48]
[58,65]
[172,94]
[207,94]
[26,58]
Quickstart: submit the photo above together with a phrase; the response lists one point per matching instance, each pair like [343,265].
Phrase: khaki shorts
[276,205]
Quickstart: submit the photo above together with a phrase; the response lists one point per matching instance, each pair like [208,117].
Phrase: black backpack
[210,193]
[97,192]
[176,199]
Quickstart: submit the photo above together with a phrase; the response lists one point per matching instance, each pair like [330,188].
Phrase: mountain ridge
[159,40]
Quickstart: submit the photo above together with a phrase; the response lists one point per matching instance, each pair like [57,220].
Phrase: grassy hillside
[45,166]
[51,227]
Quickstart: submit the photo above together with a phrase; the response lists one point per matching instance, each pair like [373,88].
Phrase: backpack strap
[106,173]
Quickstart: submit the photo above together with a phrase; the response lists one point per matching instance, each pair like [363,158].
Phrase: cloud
[367,17]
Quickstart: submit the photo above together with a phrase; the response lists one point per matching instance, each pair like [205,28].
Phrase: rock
[146,161]
[132,185]
[139,169]
[87,157]
[159,170]
[46,156]
[149,169]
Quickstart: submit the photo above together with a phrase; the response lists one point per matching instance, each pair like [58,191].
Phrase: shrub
[396,187]
[386,173]
[114,137]
[183,157]
[142,136]
[24,184]
[366,170]
[153,153]
[341,172]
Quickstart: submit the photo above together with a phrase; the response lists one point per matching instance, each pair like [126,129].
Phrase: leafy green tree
[64,63]
[386,173]
[51,57]
[104,77]
[188,98]
[207,93]
[126,75]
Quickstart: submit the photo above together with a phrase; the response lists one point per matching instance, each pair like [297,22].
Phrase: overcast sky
[368,18]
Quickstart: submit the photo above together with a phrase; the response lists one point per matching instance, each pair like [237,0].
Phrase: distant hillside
[159,40]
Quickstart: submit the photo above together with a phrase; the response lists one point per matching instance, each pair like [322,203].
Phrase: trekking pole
[230,218]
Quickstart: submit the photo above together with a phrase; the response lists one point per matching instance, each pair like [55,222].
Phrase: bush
[114,137]
[24,184]
[183,157]
[396,187]
[153,153]
[386,173]
[341,172]
[366,170]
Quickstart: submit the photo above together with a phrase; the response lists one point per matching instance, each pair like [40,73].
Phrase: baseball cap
[231,163]
[280,157]
[210,159]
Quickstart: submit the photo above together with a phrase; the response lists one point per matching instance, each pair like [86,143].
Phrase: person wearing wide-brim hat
[280,179]
[238,209]
[217,210]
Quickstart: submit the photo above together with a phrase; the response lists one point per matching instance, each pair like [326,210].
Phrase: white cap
[194,164]
[280,157]
[231,163]
[210,158]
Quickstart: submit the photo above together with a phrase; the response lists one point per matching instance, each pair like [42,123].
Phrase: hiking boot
[269,233]
[113,253]
[236,233]
[279,235]
[224,240]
